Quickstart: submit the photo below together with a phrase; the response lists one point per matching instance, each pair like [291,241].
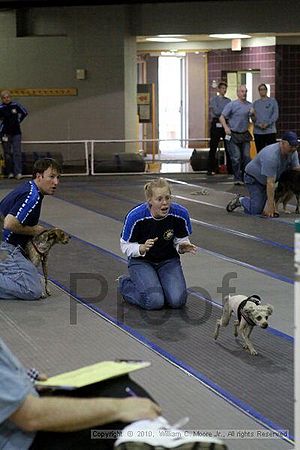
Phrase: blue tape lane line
[124,199]
[271,330]
[248,266]
[244,407]
[215,303]
[217,255]
[243,235]
[199,222]
[235,232]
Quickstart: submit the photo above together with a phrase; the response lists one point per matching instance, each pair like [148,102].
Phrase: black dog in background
[288,185]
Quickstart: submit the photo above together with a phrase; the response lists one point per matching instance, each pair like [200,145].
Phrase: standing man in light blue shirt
[217,132]
[262,173]
[265,117]
[235,119]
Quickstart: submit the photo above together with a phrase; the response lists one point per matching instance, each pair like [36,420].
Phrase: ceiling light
[166,39]
[230,36]
[170,35]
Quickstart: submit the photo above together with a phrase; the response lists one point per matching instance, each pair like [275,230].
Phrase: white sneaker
[10,175]
[19,176]
[158,434]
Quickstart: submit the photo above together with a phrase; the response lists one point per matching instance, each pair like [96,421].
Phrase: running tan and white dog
[249,312]
[38,248]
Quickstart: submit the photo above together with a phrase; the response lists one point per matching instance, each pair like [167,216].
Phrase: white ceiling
[205,42]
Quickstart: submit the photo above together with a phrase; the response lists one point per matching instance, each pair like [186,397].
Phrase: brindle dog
[37,249]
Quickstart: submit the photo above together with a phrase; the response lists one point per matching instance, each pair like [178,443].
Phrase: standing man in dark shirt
[11,116]
[20,213]
[217,132]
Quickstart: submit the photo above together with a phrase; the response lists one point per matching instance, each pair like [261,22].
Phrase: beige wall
[96,39]
[43,47]
[197,100]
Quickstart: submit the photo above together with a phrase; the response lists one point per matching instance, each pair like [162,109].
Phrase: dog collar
[240,313]
[36,247]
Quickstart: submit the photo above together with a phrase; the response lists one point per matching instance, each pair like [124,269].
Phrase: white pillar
[297,336]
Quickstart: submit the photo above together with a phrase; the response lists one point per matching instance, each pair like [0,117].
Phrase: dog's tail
[225,299]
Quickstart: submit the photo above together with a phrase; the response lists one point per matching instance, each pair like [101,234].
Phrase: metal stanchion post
[297,336]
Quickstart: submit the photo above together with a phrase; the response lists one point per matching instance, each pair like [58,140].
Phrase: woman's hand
[144,248]
[187,247]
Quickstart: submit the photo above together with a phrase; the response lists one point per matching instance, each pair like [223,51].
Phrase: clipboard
[92,374]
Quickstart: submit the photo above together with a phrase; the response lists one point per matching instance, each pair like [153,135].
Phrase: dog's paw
[253,352]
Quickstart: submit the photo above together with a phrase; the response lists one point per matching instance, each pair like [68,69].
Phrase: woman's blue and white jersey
[24,203]
[140,225]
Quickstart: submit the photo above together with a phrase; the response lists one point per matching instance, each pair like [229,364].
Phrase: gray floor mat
[186,336]
[41,334]
[274,236]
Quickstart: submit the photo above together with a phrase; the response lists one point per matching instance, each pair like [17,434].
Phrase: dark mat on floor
[273,251]
[263,382]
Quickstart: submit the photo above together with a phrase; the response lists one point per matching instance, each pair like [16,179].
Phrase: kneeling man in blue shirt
[20,212]
[262,173]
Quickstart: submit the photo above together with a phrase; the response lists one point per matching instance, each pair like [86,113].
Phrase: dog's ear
[249,307]
[270,309]
[256,297]
[52,233]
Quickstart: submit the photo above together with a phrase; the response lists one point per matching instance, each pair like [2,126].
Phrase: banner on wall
[144,102]
[41,92]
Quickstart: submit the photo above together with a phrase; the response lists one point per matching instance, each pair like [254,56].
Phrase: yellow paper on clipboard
[92,374]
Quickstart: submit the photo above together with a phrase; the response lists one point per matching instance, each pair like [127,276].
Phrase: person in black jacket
[11,116]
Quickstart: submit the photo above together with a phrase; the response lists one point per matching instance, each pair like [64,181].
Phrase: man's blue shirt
[24,203]
[269,162]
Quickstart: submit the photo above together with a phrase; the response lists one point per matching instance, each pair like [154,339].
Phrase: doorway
[251,78]
[172,103]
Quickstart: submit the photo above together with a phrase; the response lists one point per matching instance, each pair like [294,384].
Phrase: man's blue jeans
[240,156]
[154,285]
[258,196]
[13,154]
[19,278]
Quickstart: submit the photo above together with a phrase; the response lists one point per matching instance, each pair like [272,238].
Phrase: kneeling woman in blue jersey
[153,236]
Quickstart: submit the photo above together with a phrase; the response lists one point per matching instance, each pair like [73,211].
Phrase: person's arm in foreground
[63,414]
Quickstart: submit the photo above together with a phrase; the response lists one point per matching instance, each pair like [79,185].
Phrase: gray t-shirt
[266,111]
[217,105]
[269,162]
[237,114]
[15,386]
